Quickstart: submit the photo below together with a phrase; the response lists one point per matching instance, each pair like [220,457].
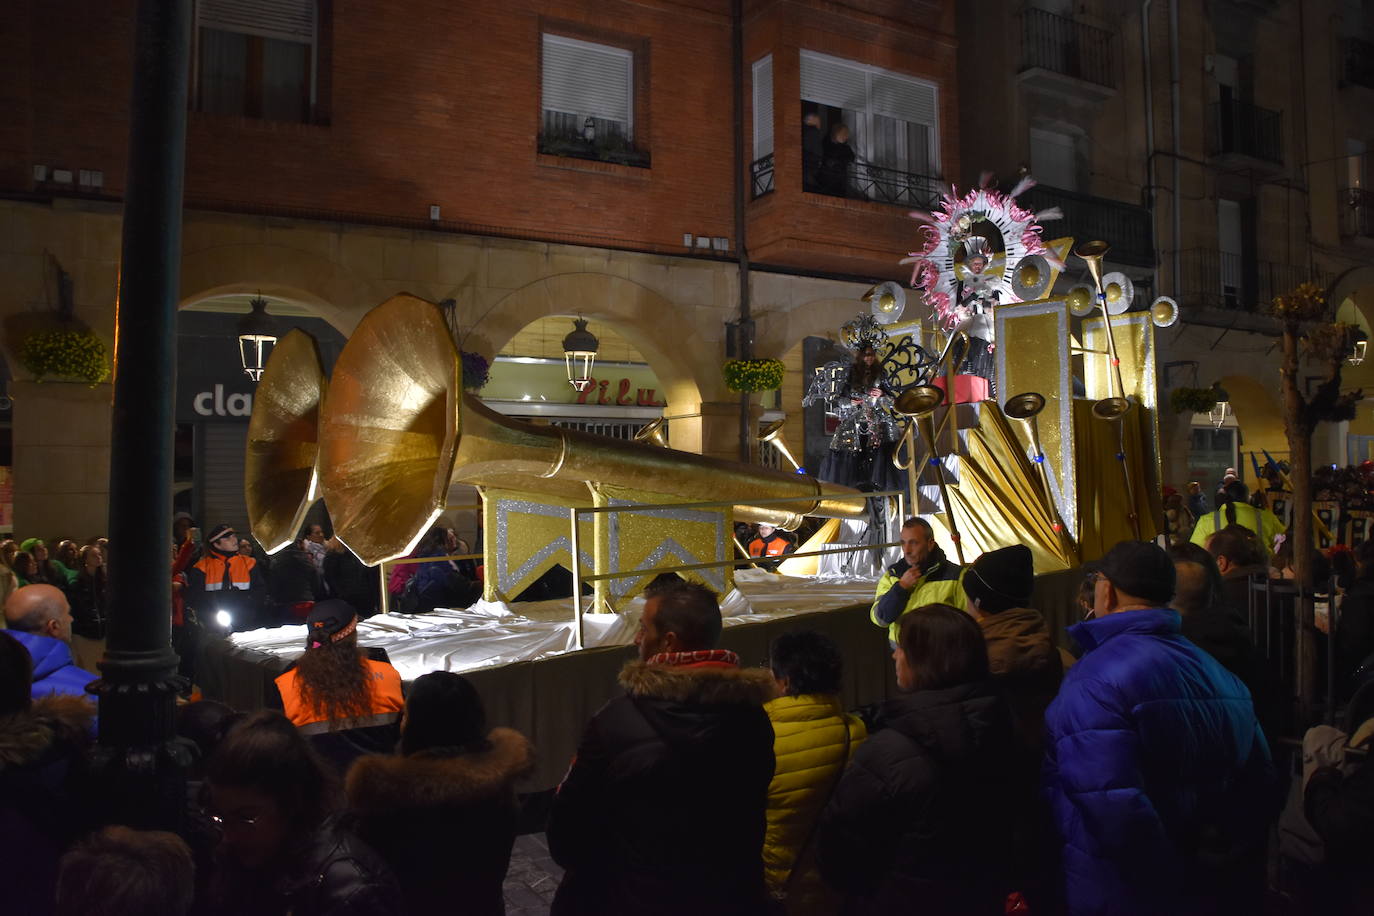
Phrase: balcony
[1357,58]
[1126,227]
[1224,280]
[1241,129]
[843,226]
[1357,213]
[1061,55]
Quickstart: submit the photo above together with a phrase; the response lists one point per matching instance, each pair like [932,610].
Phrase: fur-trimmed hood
[703,684]
[29,735]
[381,784]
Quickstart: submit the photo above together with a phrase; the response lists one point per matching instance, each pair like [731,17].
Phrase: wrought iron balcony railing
[1248,130]
[1065,46]
[1357,212]
[1225,280]
[761,177]
[1126,227]
[865,181]
[1358,62]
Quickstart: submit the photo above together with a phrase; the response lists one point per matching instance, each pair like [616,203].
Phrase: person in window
[813,151]
[837,157]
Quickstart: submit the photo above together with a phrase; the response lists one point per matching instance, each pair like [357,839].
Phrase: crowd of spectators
[1135,774]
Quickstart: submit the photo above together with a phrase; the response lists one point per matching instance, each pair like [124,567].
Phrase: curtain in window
[223,72]
[285,82]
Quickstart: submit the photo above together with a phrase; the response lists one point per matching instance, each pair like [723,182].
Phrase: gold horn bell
[655,433]
[772,435]
[396,432]
[280,479]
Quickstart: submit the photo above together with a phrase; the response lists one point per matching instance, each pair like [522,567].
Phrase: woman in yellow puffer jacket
[813,740]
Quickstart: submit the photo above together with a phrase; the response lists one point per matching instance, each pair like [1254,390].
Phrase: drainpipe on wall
[1174,106]
[745,336]
[1151,180]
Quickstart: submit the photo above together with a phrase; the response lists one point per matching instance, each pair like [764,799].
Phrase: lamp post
[257,337]
[579,354]
[139,765]
[1359,344]
[1222,409]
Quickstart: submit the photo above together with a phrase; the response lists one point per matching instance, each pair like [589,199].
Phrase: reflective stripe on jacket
[942,583]
[240,571]
[385,700]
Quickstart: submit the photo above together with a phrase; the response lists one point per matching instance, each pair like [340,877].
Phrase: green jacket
[941,582]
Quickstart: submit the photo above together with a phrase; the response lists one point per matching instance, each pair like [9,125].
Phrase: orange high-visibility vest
[385,700]
[773,547]
[240,571]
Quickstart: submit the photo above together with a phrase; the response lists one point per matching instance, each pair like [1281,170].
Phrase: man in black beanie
[1021,653]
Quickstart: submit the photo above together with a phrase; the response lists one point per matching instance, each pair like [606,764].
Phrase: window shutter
[904,99]
[763,107]
[287,20]
[587,79]
[833,82]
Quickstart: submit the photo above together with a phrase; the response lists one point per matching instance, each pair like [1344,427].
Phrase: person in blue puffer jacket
[40,618]
[1156,769]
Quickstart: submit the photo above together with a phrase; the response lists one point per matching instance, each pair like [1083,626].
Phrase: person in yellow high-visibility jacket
[1234,510]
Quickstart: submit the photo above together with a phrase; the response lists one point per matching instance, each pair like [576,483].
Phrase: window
[1053,159]
[763,107]
[256,58]
[891,120]
[587,99]
[1231,239]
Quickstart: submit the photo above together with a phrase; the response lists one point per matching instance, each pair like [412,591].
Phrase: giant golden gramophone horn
[919,405]
[772,435]
[655,432]
[280,480]
[1026,407]
[397,432]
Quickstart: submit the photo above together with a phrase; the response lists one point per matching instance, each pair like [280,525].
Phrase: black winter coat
[293,578]
[445,823]
[332,873]
[927,808]
[1354,632]
[352,581]
[43,803]
[663,809]
[89,602]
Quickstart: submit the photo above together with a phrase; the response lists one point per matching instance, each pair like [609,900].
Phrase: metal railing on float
[574,514]
[384,567]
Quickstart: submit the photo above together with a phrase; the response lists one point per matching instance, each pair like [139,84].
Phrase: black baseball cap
[1141,570]
[218,532]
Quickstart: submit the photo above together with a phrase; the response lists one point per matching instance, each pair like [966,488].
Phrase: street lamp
[1222,409]
[257,336]
[1358,346]
[579,353]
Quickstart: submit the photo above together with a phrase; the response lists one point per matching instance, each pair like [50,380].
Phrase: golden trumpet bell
[1080,300]
[918,401]
[655,433]
[279,470]
[1119,292]
[1164,312]
[1025,405]
[1111,408]
[772,435]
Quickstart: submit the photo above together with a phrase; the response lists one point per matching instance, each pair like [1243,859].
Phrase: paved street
[532,878]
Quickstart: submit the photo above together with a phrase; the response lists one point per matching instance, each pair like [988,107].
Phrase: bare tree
[1314,343]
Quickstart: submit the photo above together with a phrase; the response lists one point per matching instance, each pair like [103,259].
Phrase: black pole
[140,766]
[745,337]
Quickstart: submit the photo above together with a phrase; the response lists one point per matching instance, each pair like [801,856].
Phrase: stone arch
[1356,284]
[687,366]
[780,331]
[334,293]
[1257,414]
